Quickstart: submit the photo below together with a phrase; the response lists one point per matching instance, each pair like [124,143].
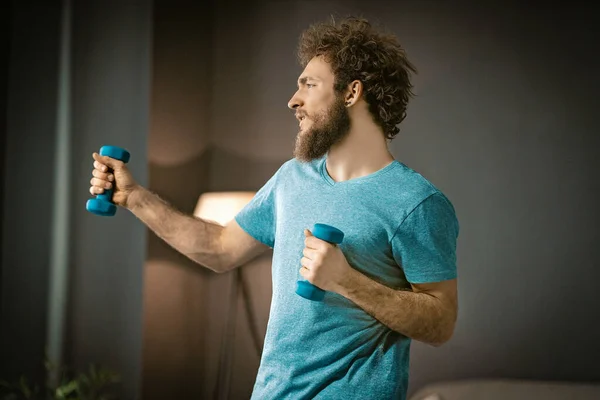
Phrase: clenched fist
[109,173]
[323,264]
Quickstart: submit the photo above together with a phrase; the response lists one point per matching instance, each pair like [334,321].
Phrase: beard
[328,128]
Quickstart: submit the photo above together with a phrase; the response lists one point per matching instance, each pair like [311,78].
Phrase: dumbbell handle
[329,234]
[102,204]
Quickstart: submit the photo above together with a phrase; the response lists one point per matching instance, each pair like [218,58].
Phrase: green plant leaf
[63,392]
[24,386]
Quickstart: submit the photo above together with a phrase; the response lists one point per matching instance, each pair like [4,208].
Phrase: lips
[300,119]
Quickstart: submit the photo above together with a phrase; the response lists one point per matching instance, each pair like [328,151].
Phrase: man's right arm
[219,248]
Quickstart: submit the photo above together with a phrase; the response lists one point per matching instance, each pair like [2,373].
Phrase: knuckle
[100,175]
[98,182]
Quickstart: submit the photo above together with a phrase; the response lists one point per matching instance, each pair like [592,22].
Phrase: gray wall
[110,90]
[175,289]
[503,124]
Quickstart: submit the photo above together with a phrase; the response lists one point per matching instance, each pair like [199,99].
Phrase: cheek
[319,113]
[319,103]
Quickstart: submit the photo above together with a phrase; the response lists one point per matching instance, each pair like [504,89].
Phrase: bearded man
[393,279]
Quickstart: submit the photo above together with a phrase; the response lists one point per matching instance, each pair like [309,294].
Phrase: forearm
[195,238]
[419,316]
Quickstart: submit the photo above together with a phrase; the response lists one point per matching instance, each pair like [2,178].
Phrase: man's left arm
[427,313]
[425,248]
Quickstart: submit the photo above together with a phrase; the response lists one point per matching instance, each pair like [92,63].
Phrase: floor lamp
[221,207]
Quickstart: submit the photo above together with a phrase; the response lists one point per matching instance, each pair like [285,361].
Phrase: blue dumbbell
[102,205]
[328,234]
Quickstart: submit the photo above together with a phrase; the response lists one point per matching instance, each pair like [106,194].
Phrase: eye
[309,85]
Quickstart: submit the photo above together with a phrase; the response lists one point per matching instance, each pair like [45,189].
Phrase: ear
[354,93]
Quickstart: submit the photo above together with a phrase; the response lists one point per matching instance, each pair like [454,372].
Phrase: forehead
[317,68]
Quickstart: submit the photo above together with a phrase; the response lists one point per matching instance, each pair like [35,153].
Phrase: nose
[294,102]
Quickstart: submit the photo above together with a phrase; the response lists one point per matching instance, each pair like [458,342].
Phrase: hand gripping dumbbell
[102,205]
[328,234]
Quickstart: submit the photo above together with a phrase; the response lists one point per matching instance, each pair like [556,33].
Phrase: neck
[363,152]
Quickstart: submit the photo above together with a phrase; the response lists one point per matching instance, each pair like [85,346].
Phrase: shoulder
[410,184]
[289,171]
[281,171]
[419,192]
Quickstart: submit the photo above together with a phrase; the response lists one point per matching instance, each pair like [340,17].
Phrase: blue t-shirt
[398,228]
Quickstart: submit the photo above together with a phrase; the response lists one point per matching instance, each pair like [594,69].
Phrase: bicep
[424,244]
[237,246]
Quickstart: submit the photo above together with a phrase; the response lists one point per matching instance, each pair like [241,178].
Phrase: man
[393,279]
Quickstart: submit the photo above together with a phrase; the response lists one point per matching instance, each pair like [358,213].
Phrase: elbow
[210,266]
[443,336]
[216,264]
[440,342]
[222,263]
[220,267]
[216,269]
[446,328]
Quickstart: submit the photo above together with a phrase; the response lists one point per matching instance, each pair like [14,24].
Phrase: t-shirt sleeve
[257,217]
[425,242]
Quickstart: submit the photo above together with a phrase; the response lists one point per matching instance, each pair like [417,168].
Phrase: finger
[109,162]
[307,233]
[313,243]
[100,183]
[100,167]
[306,263]
[96,190]
[305,272]
[102,175]
[309,253]
[309,243]
[314,256]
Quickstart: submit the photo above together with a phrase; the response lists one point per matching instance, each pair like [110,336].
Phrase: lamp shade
[221,207]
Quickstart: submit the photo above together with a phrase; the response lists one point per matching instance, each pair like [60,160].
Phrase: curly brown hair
[356,51]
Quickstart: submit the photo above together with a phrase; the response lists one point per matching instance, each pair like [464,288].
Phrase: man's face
[323,116]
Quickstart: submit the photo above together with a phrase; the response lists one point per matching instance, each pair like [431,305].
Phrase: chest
[367,220]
